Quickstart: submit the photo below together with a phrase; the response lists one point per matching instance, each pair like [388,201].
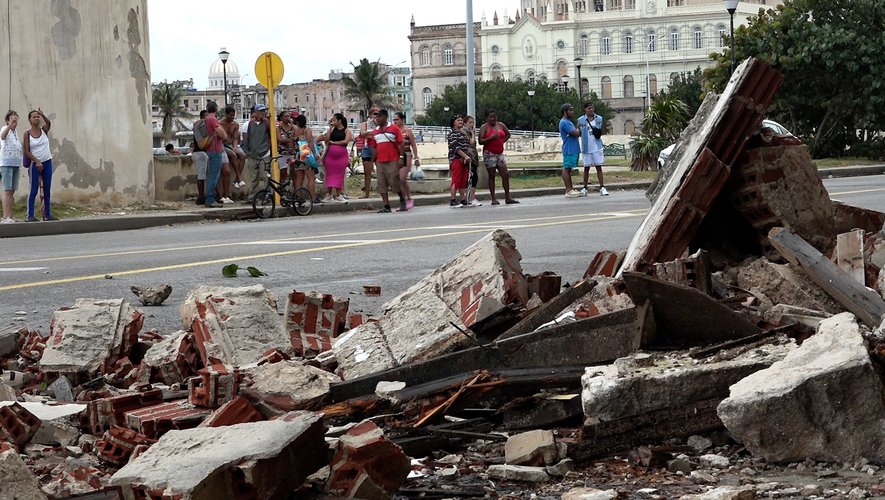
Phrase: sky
[311,37]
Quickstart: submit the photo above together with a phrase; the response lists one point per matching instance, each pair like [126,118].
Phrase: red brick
[102,414]
[213,386]
[605,263]
[547,285]
[17,425]
[366,458]
[236,411]
[154,421]
[118,443]
[313,320]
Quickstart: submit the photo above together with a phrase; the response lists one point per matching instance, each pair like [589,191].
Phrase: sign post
[269,72]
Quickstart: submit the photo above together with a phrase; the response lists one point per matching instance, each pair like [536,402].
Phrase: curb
[242,212]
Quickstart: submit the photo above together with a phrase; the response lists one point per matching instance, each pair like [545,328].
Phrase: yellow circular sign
[269,70]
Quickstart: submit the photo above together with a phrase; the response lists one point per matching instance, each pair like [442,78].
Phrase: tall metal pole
[578,62]
[731,7]
[532,112]
[471,63]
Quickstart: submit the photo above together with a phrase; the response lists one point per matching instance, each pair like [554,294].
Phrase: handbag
[205,142]
[306,155]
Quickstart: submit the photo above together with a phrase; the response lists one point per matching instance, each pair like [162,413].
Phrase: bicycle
[297,200]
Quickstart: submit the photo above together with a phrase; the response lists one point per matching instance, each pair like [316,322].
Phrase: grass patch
[20,211]
[847,161]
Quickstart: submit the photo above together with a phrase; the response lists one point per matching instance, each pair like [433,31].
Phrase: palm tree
[167,97]
[664,121]
[368,85]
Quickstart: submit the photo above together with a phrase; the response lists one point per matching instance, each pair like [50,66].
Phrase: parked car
[779,130]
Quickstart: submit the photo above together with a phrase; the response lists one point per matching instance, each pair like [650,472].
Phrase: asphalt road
[335,253]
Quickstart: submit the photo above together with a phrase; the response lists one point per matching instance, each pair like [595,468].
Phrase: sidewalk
[239,211]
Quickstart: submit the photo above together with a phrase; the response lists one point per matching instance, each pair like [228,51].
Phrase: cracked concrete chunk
[17,482]
[234,326]
[152,295]
[724,493]
[90,336]
[831,373]
[290,385]
[271,459]
[522,473]
[367,465]
[362,351]
[535,448]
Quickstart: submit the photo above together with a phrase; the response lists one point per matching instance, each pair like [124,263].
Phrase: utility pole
[471,63]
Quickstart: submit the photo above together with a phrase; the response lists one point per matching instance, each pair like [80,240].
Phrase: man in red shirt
[215,150]
[388,149]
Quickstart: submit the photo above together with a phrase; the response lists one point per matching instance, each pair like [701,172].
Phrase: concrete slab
[18,482]
[290,385]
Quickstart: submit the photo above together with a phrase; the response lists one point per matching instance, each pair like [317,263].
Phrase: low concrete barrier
[175,178]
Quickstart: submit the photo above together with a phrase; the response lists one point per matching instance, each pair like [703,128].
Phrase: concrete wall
[176,178]
[86,63]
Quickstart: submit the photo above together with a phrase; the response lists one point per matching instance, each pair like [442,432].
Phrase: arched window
[448,55]
[561,69]
[698,37]
[651,41]
[721,30]
[652,84]
[674,39]
[605,44]
[628,43]
[531,78]
[673,77]
[584,44]
[628,86]
[496,72]
[606,85]
[427,94]
[629,127]
[542,78]
[425,56]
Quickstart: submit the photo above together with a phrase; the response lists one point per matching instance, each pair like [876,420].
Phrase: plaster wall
[86,63]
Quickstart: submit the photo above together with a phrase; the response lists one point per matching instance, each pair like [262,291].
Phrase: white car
[777,127]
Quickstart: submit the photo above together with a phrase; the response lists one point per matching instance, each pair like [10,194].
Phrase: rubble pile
[734,350]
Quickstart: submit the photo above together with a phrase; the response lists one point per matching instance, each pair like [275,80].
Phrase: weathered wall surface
[86,63]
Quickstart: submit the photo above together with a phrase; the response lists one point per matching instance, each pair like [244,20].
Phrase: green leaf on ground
[255,272]
[230,270]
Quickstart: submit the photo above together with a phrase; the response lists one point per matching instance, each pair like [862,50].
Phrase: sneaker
[31,219]
[327,199]
[496,202]
[603,191]
[410,204]
[402,207]
[572,194]
[340,199]
[475,203]
[464,203]
[454,204]
[241,184]
[226,200]
[215,205]
[511,201]
[201,201]
[7,220]
[51,217]
[384,210]
[317,201]
[584,192]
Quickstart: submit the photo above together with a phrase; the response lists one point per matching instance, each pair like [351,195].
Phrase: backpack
[202,138]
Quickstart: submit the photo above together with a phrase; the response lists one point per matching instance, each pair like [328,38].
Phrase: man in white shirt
[591,146]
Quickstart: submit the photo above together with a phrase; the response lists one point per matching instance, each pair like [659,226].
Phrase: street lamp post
[446,109]
[223,55]
[565,79]
[648,74]
[731,6]
[578,62]
[532,112]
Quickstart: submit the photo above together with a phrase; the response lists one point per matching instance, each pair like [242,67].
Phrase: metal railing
[431,132]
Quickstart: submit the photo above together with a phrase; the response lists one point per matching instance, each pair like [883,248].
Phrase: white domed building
[217,73]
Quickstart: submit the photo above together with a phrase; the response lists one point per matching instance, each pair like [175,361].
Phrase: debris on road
[152,296]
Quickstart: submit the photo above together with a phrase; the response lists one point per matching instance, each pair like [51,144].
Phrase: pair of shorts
[570,161]
[284,162]
[10,177]
[595,159]
[201,161]
[459,174]
[492,160]
[367,153]
[388,176]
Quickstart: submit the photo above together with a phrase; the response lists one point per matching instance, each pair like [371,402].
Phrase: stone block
[313,319]
[90,336]
[534,448]
[630,387]
[264,459]
[174,359]
[152,295]
[523,473]
[290,385]
[17,482]
[234,326]
[823,401]
[367,465]
[154,421]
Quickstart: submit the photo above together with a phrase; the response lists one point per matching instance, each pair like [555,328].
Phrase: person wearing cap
[256,145]
[389,143]
[571,147]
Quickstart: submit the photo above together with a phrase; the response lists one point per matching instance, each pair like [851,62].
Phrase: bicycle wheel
[263,204]
[301,201]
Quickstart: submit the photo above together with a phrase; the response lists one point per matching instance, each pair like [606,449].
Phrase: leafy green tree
[688,87]
[368,85]
[167,97]
[831,54]
[664,121]
[512,103]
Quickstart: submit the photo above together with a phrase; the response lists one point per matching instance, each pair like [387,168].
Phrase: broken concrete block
[154,421]
[388,389]
[605,263]
[236,411]
[362,351]
[17,425]
[235,326]
[607,296]
[90,336]
[57,423]
[268,459]
[102,414]
[589,494]
[367,464]
[118,444]
[174,359]
[535,448]
[724,493]
[290,385]
[546,285]
[713,461]
[522,473]
[150,295]
[783,284]
[17,482]
[214,386]
[313,320]
[561,468]
[832,374]
[626,388]
[9,336]
[7,393]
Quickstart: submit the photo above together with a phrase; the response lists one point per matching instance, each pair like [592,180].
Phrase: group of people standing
[29,149]
[589,129]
